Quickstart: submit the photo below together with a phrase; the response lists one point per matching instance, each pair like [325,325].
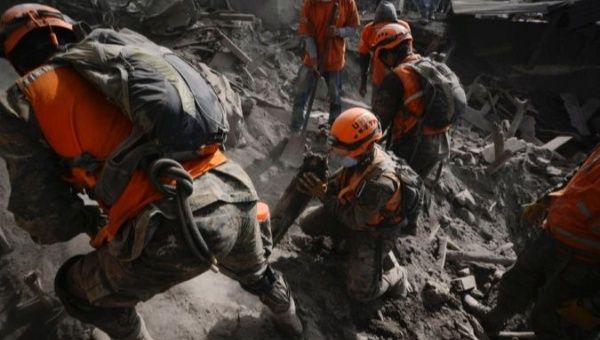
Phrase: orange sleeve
[364,45]
[352,17]
[305,26]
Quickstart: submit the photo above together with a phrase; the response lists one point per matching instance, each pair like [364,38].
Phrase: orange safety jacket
[413,108]
[350,182]
[574,215]
[76,119]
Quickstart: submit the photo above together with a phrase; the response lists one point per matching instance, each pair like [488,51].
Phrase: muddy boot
[141,334]
[288,322]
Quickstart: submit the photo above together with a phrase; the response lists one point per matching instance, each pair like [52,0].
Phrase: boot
[141,334]
[288,322]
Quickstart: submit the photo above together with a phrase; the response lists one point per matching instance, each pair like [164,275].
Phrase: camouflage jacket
[369,199]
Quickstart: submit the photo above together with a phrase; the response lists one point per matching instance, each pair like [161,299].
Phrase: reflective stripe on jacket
[77,122]
[407,118]
[574,215]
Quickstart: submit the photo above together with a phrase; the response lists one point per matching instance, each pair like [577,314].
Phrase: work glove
[312,185]
[578,313]
[535,213]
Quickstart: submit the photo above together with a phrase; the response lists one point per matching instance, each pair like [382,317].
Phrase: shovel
[293,153]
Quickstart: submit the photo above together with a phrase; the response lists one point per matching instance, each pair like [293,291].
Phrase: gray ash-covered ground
[213,307]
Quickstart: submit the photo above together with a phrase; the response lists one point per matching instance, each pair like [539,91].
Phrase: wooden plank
[557,142]
[479,257]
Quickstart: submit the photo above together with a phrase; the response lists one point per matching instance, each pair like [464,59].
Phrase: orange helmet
[19,20]
[354,132]
[390,36]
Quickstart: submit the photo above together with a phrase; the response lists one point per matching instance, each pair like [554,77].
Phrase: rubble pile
[468,237]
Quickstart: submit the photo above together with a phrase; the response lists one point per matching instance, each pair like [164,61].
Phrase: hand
[363,89]
[312,185]
[575,312]
[535,213]
[332,32]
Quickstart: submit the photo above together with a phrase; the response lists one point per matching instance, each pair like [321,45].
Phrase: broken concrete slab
[512,144]
[464,284]
[273,13]
[476,118]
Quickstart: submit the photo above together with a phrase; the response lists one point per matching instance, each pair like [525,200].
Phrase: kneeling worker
[367,203]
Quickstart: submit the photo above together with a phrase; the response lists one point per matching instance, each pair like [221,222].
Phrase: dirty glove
[535,213]
[312,185]
[580,313]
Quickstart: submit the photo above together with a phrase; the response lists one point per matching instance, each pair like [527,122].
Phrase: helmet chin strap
[367,157]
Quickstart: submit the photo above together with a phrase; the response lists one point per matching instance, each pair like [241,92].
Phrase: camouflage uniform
[370,272]
[149,254]
[549,277]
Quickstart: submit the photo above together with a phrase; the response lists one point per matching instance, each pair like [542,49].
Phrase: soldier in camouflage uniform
[366,203]
[148,254]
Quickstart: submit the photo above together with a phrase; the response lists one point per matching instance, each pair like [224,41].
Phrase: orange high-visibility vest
[574,215]
[76,119]
[349,183]
[407,117]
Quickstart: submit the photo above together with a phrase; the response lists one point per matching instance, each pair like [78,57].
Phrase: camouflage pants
[150,255]
[547,277]
[429,151]
[367,275]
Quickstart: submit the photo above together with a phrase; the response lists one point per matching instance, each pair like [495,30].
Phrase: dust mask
[348,162]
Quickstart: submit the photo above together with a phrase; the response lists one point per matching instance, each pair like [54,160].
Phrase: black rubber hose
[181,191]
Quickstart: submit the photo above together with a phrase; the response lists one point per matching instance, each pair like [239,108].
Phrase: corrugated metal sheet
[483,7]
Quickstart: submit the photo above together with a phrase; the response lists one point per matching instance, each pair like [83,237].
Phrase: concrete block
[464,284]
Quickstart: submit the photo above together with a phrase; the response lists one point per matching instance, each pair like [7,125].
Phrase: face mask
[348,162]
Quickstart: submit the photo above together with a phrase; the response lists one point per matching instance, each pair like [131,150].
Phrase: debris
[435,294]
[443,249]
[230,16]
[580,115]
[5,246]
[476,118]
[464,272]
[512,144]
[522,106]
[453,245]
[241,55]
[465,199]
[553,171]
[516,335]
[460,256]
[557,142]
[464,284]
[467,216]
[434,231]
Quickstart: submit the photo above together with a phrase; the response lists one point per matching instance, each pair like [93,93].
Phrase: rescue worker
[52,120]
[399,104]
[366,203]
[384,14]
[325,49]
[560,270]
